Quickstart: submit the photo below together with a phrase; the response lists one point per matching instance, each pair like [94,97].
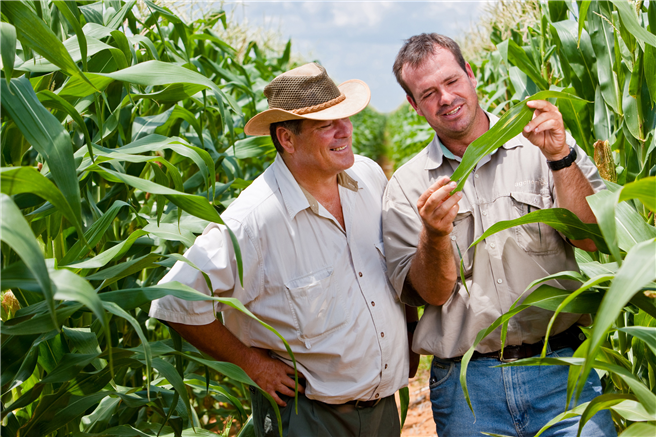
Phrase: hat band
[320,106]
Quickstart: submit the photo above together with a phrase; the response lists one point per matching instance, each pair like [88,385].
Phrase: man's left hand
[547,130]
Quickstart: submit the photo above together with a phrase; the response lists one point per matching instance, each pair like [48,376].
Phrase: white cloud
[360,39]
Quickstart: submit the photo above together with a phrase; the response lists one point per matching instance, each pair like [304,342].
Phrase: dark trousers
[318,419]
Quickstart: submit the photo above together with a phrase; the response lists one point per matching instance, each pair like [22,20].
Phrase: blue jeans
[511,401]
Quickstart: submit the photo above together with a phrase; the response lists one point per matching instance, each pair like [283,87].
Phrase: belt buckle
[504,360]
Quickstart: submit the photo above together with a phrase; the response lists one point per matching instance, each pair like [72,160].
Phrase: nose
[344,127]
[446,98]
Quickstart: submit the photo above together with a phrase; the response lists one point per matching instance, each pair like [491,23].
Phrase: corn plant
[121,139]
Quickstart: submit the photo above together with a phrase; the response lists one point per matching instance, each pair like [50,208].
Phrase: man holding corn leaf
[428,228]
[309,232]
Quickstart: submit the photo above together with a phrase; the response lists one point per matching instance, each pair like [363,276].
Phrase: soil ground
[419,422]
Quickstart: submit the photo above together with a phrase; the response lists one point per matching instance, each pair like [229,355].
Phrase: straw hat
[307,92]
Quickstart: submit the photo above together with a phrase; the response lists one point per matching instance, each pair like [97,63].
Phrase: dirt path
[419,422]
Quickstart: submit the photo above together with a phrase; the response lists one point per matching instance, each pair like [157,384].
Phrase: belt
[364,404]
[571,337]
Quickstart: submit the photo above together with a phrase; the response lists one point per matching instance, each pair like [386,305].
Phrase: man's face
[324,147]
[444,94]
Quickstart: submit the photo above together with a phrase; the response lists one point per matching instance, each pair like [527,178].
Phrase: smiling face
[321,150]
[445,95]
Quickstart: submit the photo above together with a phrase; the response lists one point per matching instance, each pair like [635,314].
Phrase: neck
[323,187]
[458,146]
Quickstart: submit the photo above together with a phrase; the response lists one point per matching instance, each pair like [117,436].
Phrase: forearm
[218,342]
[432,272]
[571,188]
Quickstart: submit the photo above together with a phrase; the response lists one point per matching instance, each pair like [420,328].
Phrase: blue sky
[357,39]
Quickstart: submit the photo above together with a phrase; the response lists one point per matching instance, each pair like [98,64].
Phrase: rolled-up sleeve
[401,229]
[212,253]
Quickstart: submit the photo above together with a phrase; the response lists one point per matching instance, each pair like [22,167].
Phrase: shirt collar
[297,198]
[438,151]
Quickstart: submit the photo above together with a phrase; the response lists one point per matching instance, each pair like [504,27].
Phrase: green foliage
[408,133]
[369,133]
[122,138]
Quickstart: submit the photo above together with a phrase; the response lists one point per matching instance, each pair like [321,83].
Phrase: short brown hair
[292,125]
[417,48]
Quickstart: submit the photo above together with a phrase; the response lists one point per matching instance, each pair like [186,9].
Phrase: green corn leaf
[33,32]
[574,412]
[644,333]
[252,147]
[583,13]
[172,93]
[167,370]
[52,100]
[640,429]
[510,125]
[26,367]
[119,17]
[404,400]
[17,234]
[152,73]
[44,132]
[16,180]
[515,55]
[603,207]
[633,411]
[580,57]
[65,9]
[560,219]
[603,44]
[94,233]
[108,255]
[120,312]
[630,20]
[8,46]
[643,190]
[195,205]
[637,271]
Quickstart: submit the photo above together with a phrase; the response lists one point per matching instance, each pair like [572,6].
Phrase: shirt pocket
[535,238]
[462,237]
[316,307]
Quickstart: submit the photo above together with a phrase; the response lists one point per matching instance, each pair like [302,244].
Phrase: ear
[414,105]
[286,139]
[470,74]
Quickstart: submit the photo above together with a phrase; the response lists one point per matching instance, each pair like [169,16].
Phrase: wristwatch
[563,163]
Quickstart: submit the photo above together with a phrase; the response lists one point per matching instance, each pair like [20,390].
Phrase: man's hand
[272,375]
[438,208]
[546,130]
[215,340]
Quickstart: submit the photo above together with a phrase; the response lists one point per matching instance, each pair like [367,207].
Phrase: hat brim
[357,96]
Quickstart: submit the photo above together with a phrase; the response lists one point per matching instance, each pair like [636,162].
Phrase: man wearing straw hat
[309,231]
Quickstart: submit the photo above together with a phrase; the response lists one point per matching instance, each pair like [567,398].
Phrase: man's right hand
[272,375]
[438,208]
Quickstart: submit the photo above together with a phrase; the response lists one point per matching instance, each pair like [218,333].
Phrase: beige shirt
[323,288]
[505,185]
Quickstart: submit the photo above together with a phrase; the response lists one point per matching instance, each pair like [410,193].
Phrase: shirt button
[382,334]
[492,245]
[499,280]
[373,304]
[360,274]
[377,395]
[484,213]
[476,175]
[453,237]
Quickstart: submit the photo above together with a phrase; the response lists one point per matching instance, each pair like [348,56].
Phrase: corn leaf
[43,131]
[510,125]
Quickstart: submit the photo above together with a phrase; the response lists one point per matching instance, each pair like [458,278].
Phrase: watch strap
[565,162]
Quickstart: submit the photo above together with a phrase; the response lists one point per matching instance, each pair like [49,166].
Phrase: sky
[358,39]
